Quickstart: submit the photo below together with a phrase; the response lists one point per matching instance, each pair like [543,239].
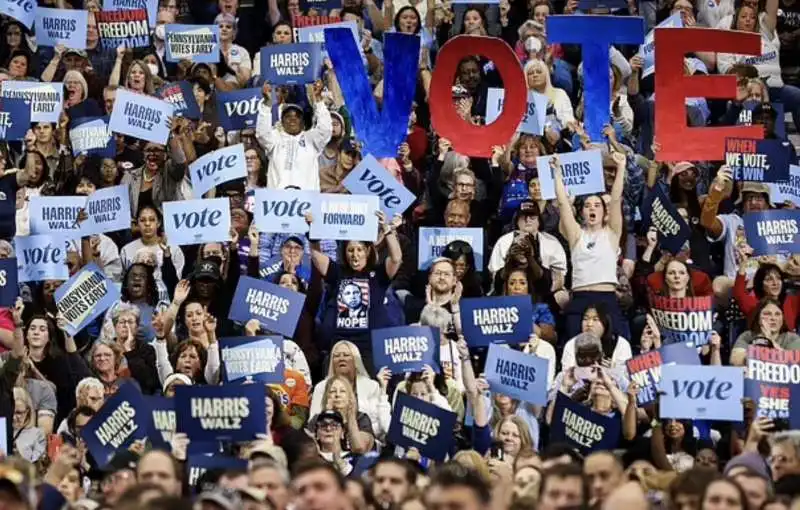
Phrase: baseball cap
[349,145]
[80,53]
[289,107]
[121,461]
[329,415]
[225,498]
[528,208]
[206,269]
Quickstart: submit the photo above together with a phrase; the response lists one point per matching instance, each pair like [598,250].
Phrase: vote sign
[371,178]
[496,319]
[422,425]
[239,109]
[41,257]
[702,393]
[282,210]
[221,413]
[217,167]
[516,374]
[197,221]
[406,348]
[645,370]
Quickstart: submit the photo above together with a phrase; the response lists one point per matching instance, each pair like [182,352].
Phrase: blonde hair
[361,370]
[473,459]
[351,395]
[23,395]
[525,440]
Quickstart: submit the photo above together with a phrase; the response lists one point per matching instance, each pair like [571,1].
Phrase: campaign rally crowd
[410,254]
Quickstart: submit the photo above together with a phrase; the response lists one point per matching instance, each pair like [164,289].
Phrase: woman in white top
[345,360]
[438,317]
[596,320]
[237,58]
[593,247]
[538,76]
[747,19]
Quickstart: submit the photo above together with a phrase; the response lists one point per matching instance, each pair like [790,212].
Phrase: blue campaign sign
[231,412]
[582,172]
[282,210]
[252,358]
[595,34]
[197,221]
[9,286]
[56,215]
[61,26]
[705,392]
[108,210]
[276,308]
[42,257]
[648,50]
[577,425]
[516,374]
[320,5]
[45,99]
[123,419]
[91,136]
[433,241]
[23,11]
[85,296]
[316,33]
[371,178]
[758,160]
[163,410]
[198,464]
[771,381]
[181,96]
[141,116]
[406,348]
[290,64]
[788,191]
[587,5]
[645,370]
[534,119]
[128,28]
[773,232]
[659,211]
[239,109]
[496,319]
[198,43]
[151,6]
[217,167]
[345,217]
[15,118]
[746,116]
[422,425]
[687,320]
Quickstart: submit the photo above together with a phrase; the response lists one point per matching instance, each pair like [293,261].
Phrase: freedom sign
[535,113]
[23,11]
[61,26]
[107,210]
[163,409]
[704,392]
[516,374]
[291,64]
[422,425]
[773,377]
[584,429]
[788,191]
[276,308]
[85,296]
[15,118]
[217,167]
[197,221]
[282,210]
[181,96]
[151,6]
[126,28]
[198,43]
[141,116]
[91,136]
[221,413]
[239,109]
[659,212]
[688,320]
[371,178]
[345,217]
[56,215]
[758,160]
[41,257]
[252,358]
[496,319]
[123,419]
[406,348]
[773,232]
[645,370]
[46,99]
[582,172]
[433,241]
[9,289]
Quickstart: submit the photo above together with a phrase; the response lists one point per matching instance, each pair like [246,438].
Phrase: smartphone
[496,451]
[585,373]
[780,424]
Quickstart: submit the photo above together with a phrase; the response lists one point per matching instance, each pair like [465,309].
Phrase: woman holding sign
[594,247]
[767,329]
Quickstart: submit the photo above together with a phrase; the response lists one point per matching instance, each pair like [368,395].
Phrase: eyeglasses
[127,322]
[328,425]
[442,273]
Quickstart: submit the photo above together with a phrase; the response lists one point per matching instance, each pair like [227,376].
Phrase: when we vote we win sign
[757,160]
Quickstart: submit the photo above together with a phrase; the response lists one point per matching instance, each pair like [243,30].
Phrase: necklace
[148,177]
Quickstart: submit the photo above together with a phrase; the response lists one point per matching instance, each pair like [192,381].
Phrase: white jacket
[372,401]
[293,159]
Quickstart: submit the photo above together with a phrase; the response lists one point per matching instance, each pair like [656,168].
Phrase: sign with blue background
[371,178]
[15,119]
[582,172]
[316,33]
[56,215]
[221,413]
[645,370]
[239,109]
[41,257]
[151,6]
[23,11]
[163,409]
[217,167]
[345,217]
[422,425]
[290,64]
[659,211]
[534,117]
[85,296]
[181,96]
[9,286]
[128,28]
[253,358]
[108,210]
[433,241]
[406,348]
[758,160]
[496,319]
[788,191]
[702,393]
[282,210]
[648,50]
[772,380]
[91,136]
[577,425]
[516,374]
[198,43]
[687,320]
[61,26]
[141,116]
[198,464]
[197,221]
[773,232]
[276,308]
[46,99]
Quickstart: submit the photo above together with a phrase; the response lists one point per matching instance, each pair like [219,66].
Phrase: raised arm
[395,258]
[771,17]
[116,71]
[569,226]
[717,193]
[321,261]
[615,218]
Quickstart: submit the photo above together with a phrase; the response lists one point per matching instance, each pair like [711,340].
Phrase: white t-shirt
[451,363]
[768,63]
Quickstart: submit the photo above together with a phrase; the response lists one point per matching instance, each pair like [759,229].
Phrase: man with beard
[442,290]
[392,481]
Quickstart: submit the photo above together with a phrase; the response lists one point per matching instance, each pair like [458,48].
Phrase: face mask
[533,45]
[153,69]
[160,32]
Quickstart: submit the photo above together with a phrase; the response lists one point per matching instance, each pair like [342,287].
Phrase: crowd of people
[591,266]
